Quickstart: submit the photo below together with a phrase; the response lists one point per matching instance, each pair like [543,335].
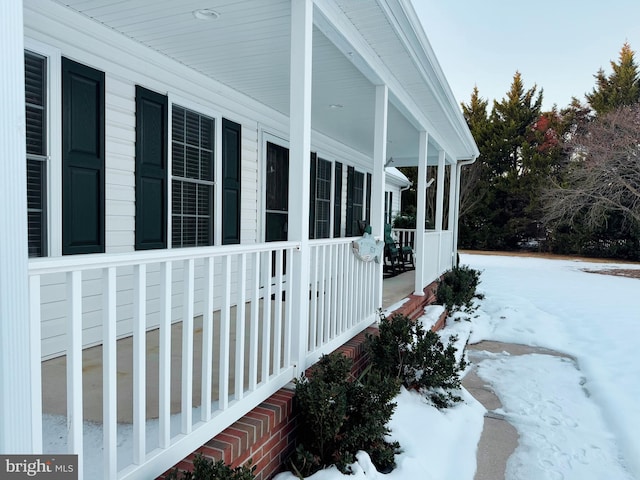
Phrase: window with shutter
[192,178]
[35,75]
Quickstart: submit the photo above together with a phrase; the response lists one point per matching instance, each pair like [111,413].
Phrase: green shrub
[208,469]
[457,289]
[337,418]
[417,358]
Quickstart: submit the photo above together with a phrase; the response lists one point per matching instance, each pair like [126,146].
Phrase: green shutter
[337,201]
[82,159]
[231,175]
[368,210]
[151,169]
[350,196]
[312,196]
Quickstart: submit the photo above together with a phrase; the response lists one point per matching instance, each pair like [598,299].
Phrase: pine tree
[509,159]
[475,179]
[475,113]
[620,88]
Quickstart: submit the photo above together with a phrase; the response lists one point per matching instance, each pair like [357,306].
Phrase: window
[320,195]
[388,207]
[35,73]
[192,178]
[277,193]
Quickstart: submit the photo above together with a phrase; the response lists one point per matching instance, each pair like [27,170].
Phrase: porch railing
[342,296]
[406,237]
[207,335]
[439,255]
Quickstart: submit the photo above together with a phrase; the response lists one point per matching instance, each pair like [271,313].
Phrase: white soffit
[245,46]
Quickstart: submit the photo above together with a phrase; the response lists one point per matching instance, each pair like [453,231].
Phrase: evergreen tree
[509,159]
[620,88]
[474,178]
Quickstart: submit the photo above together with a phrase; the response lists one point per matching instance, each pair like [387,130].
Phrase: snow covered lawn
[577,420]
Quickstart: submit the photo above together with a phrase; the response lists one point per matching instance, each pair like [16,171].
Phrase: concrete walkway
[499,438]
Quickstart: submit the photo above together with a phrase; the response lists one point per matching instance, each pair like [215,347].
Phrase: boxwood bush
[338,417]
[417,358]
[457,289]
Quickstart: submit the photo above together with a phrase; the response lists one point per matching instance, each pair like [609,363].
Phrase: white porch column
[17,361]
[299,171]
[378,177]
[452,197]
[458,167]
[421,214]
[440,191]
[440,206]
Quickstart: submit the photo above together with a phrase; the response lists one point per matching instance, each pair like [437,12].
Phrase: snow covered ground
[576,420]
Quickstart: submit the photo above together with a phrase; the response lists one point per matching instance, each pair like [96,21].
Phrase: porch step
[414,307]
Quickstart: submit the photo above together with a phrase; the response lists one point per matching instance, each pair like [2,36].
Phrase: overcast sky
[556,44]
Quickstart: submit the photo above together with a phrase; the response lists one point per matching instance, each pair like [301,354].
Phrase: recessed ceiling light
[335,106]
[206,14]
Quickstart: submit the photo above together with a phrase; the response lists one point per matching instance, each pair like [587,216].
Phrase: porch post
[452,197]
[453,212]
[299,173]
[440,206]
[440,191]
[421,213]
[18,364]
[378,177]
[458,167]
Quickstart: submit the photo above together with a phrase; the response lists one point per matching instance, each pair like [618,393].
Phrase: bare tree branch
[602,174]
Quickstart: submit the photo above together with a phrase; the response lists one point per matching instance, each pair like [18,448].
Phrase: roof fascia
[403,17]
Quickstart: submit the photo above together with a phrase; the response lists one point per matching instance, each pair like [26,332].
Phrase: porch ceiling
[247,49]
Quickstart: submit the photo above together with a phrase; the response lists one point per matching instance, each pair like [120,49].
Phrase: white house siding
[250,185]
[395,182]
[396,204]
[120,137]
[127,64]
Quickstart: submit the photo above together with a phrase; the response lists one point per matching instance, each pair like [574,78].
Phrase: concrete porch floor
[54,371]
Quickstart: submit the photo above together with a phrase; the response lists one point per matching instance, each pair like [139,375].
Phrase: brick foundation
[267,434]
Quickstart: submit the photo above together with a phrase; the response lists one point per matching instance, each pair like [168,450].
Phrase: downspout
[459,164]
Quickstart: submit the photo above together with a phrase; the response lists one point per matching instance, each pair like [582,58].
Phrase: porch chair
[406,256]
[392,260]
[399,256]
